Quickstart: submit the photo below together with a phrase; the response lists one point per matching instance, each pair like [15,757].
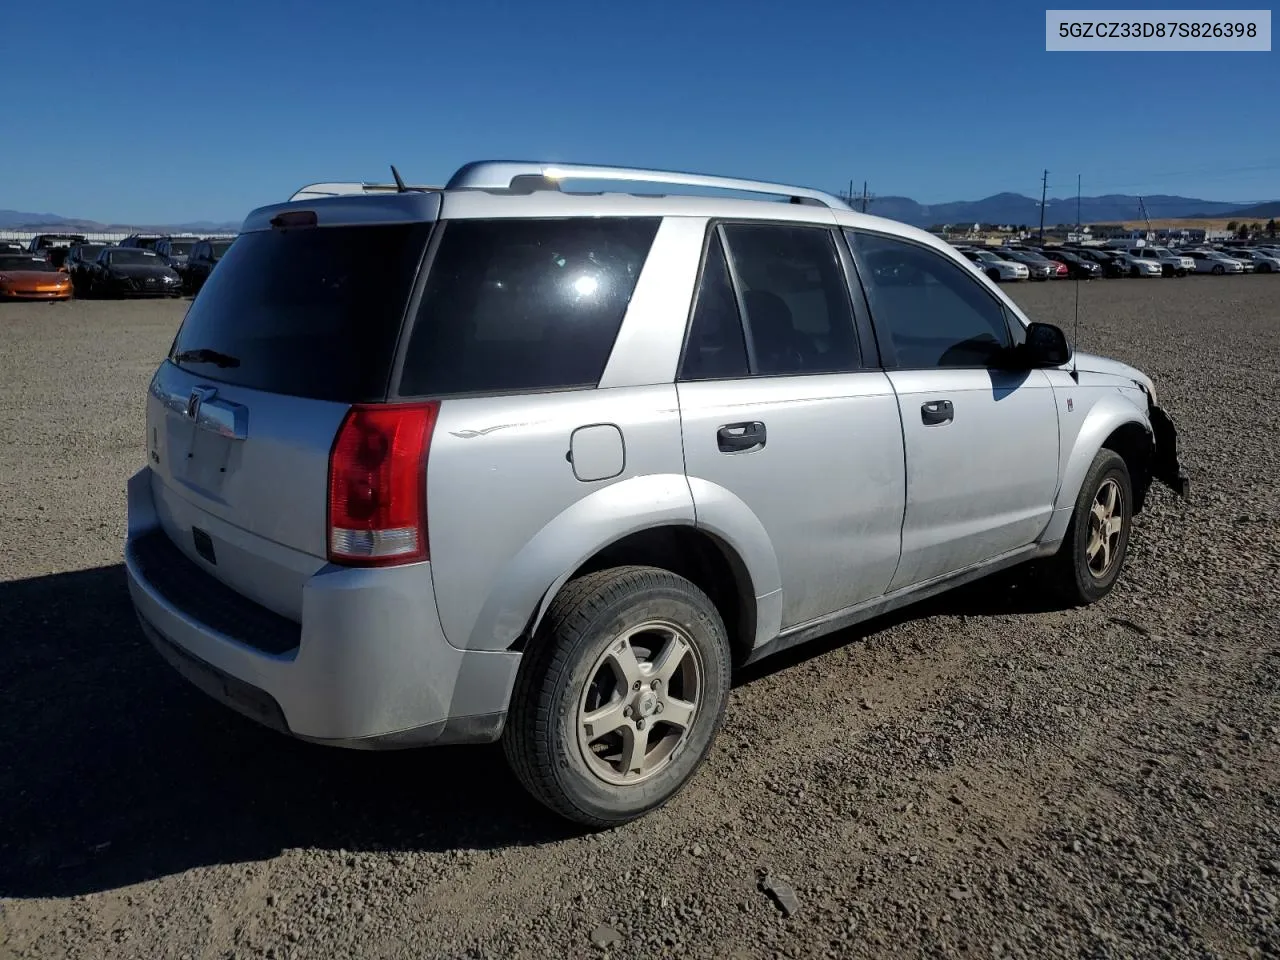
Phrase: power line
[855,200]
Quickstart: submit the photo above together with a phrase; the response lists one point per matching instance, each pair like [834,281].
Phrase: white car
[1263,261]
[1138,267]
[1211,261]
[995,267]
[1171,264]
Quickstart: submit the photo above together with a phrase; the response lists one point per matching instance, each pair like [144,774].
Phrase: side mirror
[1046,346]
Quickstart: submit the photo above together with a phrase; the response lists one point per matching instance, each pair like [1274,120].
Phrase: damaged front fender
[1165,466]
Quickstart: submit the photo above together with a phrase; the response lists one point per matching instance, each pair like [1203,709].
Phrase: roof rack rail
[525,176]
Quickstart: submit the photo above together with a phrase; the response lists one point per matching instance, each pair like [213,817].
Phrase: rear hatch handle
[209,412]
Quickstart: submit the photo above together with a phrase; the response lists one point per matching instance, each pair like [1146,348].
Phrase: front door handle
[739,437]
[937,412]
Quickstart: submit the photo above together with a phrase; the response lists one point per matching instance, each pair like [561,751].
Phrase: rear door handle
[937,412]
[739,437]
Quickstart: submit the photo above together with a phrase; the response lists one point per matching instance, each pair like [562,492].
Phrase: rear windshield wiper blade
[205,355]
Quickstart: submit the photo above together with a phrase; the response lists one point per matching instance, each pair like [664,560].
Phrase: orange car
[27,276]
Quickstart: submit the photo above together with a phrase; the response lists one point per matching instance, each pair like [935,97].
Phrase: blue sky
[171,112]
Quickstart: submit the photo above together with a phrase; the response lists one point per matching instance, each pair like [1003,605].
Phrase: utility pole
[1077,203]
[864,196]
[1044,190]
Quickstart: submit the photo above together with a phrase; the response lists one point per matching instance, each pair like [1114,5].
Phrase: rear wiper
[205,355]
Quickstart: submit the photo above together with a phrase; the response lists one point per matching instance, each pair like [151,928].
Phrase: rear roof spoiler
[314,191]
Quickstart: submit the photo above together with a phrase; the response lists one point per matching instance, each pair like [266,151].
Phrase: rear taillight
[377,484]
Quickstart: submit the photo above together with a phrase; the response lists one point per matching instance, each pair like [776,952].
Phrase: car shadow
[117,771]
[1008,593]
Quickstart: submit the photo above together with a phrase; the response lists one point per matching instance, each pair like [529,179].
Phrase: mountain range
[1013,208]
[21,221]
[1002,208]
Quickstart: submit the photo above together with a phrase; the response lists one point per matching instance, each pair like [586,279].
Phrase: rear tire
[1093,550]
[1219,269]
[615,645]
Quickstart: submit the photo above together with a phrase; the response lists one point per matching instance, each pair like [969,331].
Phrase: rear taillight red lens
[377,484]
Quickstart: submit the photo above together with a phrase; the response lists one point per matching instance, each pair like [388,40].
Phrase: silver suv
[501,461]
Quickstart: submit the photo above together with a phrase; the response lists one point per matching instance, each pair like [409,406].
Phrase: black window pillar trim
[736,283]
[869,345]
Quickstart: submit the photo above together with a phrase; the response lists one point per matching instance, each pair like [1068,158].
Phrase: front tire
[1093,551]
[1219,269]
[620,697]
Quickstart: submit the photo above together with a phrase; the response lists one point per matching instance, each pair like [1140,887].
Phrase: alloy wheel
[1106,524]
[640,702]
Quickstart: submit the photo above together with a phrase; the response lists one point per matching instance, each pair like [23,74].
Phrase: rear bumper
[371,668]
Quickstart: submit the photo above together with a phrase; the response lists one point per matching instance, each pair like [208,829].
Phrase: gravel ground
[977,777]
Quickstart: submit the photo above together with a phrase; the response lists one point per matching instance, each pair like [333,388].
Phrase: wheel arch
[724,549]
[700,557]
[1136,446]
[1116,423]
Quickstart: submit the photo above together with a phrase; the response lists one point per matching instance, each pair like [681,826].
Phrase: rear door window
[312,312]
[795,298]
[513,306]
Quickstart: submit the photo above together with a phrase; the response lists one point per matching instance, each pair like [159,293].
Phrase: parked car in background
[1078,268]
[175,251]
[1171,264]
[30,276]
[1211,261]
[143,241]
[1112,266]
[1060,271]
[132,272]
[204,256]
[1137,266]
[996,267]
[79,258]
[1262,262]
[1038,268]
[54,246]
[12,246]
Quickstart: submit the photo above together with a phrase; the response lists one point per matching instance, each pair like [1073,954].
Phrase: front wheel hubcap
[1106,524]
[639,704]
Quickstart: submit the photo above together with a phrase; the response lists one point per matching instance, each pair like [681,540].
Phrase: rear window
[522,305]
[312,312]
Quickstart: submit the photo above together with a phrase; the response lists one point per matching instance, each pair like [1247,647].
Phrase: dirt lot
[981,777]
